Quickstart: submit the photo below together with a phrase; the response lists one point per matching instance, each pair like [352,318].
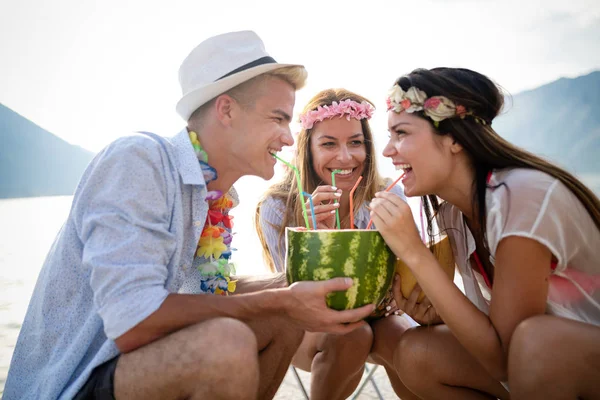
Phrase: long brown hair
[286,190]
[488,150]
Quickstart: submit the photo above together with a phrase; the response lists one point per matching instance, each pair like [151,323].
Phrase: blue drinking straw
[312,209]
[337,212]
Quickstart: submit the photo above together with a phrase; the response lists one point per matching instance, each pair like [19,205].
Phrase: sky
[91,71]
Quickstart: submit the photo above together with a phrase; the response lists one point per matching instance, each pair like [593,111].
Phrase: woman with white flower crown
[525,236]
[335,135]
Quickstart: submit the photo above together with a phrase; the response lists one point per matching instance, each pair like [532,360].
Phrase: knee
[533,338]
[412,356]
[230,347]
[531,356]
[386,335]
[233,336]
[288,334]
[348,351]
[358,342]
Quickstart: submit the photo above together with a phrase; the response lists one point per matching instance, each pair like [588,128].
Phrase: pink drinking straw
[351,202]
[300,191]
[387,190]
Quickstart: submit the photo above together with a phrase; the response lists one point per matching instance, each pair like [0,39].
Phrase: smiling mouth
[405,167]
[342,171]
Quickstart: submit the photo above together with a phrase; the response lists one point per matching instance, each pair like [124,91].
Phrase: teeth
[403,166]
[345,172]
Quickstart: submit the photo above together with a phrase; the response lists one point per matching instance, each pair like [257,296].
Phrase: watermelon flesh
[360,254]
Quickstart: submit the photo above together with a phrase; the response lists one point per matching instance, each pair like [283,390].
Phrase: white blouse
[530,203]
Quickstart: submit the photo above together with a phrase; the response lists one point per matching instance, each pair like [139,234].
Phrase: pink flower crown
[349,108]
[436,108]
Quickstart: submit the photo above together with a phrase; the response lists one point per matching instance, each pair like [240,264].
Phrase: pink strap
[481,270]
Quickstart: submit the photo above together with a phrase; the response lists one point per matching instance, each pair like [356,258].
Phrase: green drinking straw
[337,212]
[312,209]
[300,191]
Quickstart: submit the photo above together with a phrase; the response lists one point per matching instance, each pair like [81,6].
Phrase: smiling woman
[525,236]
[335,141]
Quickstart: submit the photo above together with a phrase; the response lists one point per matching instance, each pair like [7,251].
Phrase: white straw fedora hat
[220,63]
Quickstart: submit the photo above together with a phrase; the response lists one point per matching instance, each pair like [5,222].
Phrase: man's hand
[424,312]
[308,309]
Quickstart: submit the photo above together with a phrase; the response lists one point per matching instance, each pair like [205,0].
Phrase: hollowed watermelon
[314,255]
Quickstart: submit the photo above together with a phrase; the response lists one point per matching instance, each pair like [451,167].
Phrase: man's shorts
[100,385]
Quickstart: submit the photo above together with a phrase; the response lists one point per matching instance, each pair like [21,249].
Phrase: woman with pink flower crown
[525,236]
[335,135]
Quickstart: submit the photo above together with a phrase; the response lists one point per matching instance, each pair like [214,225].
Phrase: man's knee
[236,356]
[292,334]
[230,333]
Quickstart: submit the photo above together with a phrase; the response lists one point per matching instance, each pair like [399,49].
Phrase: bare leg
[336,362]
[554,358]
[434,365]
[215,359]
[387,333]
[278,339]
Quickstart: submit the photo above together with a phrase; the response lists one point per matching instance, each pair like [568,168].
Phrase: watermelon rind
[360,254]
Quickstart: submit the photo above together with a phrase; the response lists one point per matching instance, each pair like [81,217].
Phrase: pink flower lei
[436,108]
[348,108]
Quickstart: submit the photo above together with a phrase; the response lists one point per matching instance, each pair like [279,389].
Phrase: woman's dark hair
[487,150]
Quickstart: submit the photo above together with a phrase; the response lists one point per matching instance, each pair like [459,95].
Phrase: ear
[225,107]
[455,147]
[452,144]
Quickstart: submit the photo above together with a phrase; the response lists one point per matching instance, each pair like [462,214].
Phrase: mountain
[560,121]
[34,162]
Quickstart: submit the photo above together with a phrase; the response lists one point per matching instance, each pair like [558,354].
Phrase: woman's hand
[424,312]
[393,218]
[324,203]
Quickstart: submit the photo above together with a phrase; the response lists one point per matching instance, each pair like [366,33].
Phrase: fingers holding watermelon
[421,311]
[308,307]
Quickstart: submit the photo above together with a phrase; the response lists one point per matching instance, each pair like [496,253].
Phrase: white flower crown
[436,108]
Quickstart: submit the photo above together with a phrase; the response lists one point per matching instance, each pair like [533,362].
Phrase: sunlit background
[91,71]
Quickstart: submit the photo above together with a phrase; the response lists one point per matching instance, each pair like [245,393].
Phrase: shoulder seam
[544,206]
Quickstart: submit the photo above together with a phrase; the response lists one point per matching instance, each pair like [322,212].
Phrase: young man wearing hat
[121,308]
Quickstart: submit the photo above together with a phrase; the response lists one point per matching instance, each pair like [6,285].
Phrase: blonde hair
[286,190]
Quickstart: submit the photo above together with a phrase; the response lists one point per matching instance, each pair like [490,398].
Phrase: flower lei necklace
[215,241]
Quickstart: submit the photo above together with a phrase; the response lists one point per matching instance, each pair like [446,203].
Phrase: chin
[413,192]
[267,175]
